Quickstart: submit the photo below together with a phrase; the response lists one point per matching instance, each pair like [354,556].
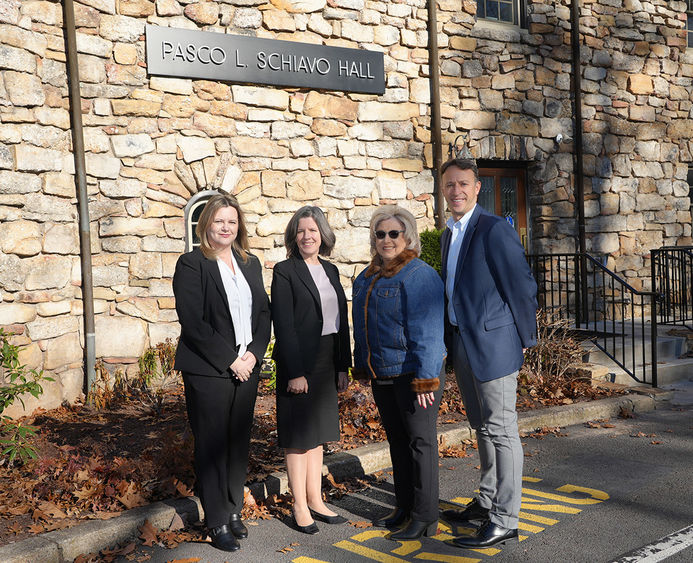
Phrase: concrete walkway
[93,536]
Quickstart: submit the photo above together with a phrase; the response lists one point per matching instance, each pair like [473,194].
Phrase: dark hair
[215,203]
[462,164]
[327,237]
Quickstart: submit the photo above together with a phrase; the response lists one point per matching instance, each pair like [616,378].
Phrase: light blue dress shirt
[458,229]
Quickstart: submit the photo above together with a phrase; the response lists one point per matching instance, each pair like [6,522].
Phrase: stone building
[154,145]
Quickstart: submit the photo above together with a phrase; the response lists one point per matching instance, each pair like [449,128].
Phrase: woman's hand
[298,385]
[342,381]
[243,366]
[425,399]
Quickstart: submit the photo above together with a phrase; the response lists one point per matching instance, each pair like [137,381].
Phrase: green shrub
[430,248]
[16,380]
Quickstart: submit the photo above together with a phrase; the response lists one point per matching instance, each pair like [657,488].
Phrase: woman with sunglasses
[398,313]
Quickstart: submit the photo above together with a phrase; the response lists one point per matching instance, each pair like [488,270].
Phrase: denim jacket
[398,317]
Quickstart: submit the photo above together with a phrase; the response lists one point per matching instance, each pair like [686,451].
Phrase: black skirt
[306,420]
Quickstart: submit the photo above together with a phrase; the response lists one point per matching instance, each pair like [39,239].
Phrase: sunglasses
[392,234]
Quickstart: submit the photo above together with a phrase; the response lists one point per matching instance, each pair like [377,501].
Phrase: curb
[93,536]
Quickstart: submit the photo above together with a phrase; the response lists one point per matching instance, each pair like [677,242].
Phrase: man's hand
[243,366]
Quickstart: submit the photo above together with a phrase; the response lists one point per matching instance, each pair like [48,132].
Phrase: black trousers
[413,438]
[220,412]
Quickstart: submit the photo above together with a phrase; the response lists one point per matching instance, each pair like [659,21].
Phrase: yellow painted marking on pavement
[560,498]
[445,558]
[595,493]
[364,551]
[487,550]
[531,479]
[529,527]
[462,500]
[535,504]
[522,538]
[304,559]
[407,547]
[537,518]
[369,534]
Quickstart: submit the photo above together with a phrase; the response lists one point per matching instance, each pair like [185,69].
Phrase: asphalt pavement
[595,491]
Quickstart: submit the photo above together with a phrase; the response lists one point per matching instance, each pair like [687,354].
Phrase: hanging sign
[236,58]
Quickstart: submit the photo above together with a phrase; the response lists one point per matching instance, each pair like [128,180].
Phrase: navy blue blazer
[207,344]
[494,296]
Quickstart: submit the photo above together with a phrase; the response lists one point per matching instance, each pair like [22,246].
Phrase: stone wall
[152,143]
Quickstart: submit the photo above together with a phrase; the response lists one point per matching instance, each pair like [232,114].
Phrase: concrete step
[668,372]
[668,348]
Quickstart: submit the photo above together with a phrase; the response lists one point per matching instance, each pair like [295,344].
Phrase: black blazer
[207,344]
[297,318]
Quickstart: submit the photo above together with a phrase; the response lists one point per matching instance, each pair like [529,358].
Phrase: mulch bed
[94,463]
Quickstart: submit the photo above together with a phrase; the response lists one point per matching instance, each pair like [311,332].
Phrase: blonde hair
[407,220]
[215,203]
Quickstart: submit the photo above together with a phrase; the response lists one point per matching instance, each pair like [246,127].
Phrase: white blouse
[240,303]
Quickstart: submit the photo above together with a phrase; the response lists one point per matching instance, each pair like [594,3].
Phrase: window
[505,11]
[192,214]
[689,24]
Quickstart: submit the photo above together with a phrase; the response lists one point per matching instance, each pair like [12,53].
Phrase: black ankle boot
[396,518]
[415,529]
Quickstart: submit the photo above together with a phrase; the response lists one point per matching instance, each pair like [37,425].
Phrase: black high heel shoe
[415,529]
[337,519]
[396,518]
[311,528]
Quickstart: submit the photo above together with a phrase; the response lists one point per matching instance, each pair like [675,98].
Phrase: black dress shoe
[487,535]
[415,529]
[238,529]
[327,518]
[311,528]
[396,518]
[223,538]
[473,511]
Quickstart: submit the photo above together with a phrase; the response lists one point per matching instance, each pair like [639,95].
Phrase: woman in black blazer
[224,315]
[313,354]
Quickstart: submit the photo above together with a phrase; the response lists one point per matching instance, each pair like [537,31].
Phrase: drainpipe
[579,178]
[82,198]
[436,140]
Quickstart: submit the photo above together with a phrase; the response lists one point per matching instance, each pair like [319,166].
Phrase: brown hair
[327,237]
[462,164]
[215,203]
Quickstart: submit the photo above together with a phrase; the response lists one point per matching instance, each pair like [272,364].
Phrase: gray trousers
[491,412]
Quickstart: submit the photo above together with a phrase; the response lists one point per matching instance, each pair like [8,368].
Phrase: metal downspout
[436,139]
[577,143]
[82,197]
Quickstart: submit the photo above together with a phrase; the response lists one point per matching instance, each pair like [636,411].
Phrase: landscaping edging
[91,537]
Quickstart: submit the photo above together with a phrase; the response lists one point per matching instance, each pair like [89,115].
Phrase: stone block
[119,337]
[203,13]
[391,185]
[36,159]
[118,226]
[249,146]
[48,272]
[331,107]
[121,28]
[62,351]
[357,32]
[17,59]
[289,130]
[22,238]
[328,127]
[18,183]
[102,166]
[257,96]
[16,313]
[52,327]
[195,148]
[272,225]
[379,111]
[304,185]
[132,145]
[640,84]
[348,187]
[214,125]
[273,183]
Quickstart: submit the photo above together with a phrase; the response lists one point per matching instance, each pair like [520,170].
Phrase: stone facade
[152,143]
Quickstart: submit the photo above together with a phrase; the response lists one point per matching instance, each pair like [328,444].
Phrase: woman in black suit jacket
[313,354]
[224,315]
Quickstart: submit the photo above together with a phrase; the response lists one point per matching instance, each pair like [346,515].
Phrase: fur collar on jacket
[393,268]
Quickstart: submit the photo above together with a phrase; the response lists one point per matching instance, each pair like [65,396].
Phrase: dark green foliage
[430,247]
[15,380]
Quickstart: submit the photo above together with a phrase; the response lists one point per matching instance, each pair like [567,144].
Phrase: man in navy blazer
[491,312]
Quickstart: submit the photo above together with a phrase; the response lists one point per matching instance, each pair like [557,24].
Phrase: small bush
[16,380]
[430,248]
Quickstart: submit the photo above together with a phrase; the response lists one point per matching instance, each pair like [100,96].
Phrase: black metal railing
[620,319]
[672,280]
